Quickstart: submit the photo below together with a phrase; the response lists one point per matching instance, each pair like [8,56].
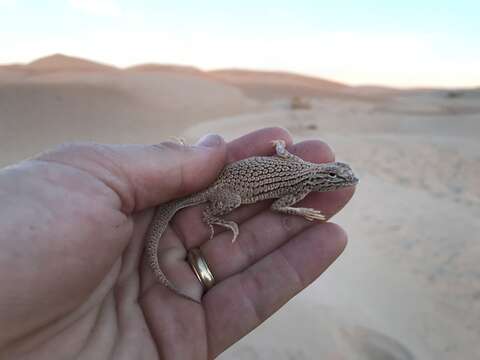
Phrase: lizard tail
[163,214]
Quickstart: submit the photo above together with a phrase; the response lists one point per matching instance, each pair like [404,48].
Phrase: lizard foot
[311,214]
[231,225]
[280,148]
[178,140]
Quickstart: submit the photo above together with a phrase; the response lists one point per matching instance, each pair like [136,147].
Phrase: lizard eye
[332,174]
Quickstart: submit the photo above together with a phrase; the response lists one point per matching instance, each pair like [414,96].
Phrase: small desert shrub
[454,94]
[298,103]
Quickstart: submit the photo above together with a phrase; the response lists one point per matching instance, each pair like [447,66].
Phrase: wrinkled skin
[73,280]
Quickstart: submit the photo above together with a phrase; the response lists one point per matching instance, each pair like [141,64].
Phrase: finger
[145,175]
[262,234]
[313,150]
[237,305]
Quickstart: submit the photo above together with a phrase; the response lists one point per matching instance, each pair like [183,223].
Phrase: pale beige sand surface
[41,109]
[408,284]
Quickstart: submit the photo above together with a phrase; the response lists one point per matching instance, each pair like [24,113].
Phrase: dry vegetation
[299,103]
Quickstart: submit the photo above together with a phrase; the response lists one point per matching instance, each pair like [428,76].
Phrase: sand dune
[105,107]
[237,76]
[408,285]
[56,63]
[166,68]
[271,85]
[59,62]
[10,75]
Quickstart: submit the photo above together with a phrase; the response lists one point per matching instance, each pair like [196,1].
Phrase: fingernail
[210,140]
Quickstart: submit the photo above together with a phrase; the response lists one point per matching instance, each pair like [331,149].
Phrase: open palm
[73,281]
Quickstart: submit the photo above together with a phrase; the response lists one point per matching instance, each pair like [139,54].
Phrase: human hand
[72,279]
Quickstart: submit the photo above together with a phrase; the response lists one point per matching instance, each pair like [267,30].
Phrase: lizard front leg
[222,203]
[281,151]
[284,203]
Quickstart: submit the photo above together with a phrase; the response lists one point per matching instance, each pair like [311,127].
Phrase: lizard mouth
[349,181]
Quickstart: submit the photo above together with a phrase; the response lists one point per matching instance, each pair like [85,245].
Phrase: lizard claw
[178,140]
[278,142]
[312,214]
[212,231]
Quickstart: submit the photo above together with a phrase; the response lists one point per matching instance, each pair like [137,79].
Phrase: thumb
[147,175]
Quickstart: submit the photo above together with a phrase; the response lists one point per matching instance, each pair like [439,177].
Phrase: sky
[395,43]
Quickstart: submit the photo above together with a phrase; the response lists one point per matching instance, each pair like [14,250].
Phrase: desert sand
[408,284]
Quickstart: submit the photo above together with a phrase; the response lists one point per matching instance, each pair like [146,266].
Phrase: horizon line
[245,69]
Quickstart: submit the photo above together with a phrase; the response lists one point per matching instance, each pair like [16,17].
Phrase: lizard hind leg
[222,203]
[231,225]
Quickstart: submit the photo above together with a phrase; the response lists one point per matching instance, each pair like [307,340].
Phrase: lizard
[285,177]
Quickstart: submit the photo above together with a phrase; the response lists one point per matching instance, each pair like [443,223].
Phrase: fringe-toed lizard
[284,177]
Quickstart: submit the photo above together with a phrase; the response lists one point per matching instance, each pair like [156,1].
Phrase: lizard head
[331,176]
